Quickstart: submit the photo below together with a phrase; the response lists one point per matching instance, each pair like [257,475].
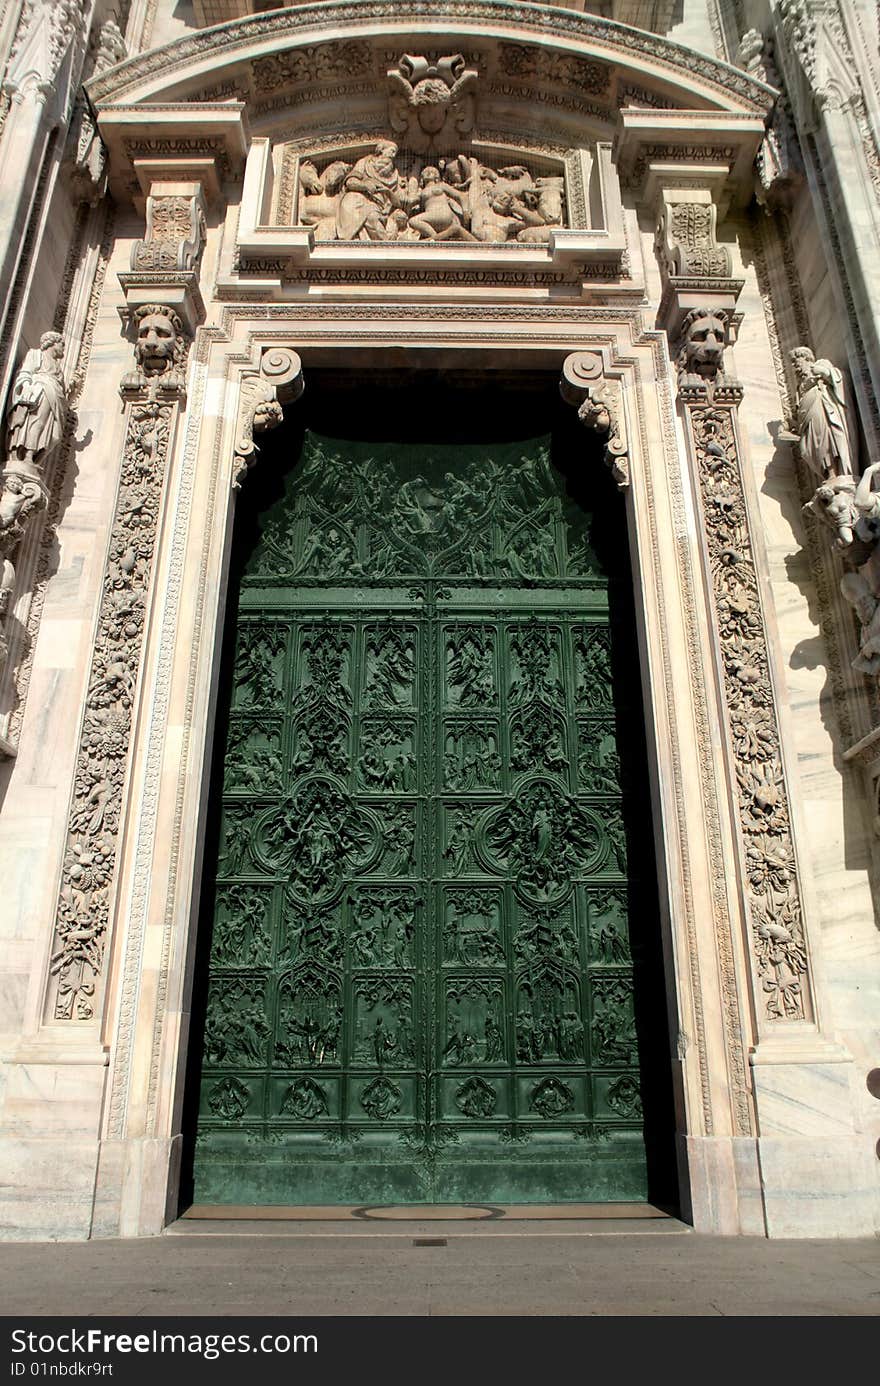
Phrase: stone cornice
[219,49]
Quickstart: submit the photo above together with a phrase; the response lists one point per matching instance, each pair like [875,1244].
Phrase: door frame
[692,780]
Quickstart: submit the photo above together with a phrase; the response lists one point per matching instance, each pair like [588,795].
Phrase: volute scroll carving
[279,381]
[599,402]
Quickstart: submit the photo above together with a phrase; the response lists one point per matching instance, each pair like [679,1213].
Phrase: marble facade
[660,203]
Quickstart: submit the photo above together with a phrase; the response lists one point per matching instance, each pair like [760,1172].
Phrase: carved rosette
[771,880]
[153,394]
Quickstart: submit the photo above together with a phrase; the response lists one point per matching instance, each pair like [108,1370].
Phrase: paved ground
[571,1268]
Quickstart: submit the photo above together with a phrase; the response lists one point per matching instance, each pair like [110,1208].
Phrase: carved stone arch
[626,61]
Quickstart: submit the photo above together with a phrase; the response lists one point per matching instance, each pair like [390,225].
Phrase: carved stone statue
[159,338]
[37,411]
[821,428]
[432,104]
[35,423]
[373,193]
[701,356]
[834,504]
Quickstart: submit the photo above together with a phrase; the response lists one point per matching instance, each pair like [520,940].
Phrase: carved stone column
[709,401]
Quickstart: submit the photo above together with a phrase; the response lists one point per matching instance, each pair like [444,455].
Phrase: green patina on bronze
[420,982]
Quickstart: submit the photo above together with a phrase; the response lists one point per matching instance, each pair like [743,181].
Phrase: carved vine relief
[779,946]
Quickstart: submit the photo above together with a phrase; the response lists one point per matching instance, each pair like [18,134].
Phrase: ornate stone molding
[778,165]
[153,393]
[47,32]
[599,401]
[168,67]
[261,399]
[710,399]
[86,155]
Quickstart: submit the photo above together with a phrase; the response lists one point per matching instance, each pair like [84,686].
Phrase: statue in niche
[821,427]
[450,198]
[701,356]
[37,410]
[431,103]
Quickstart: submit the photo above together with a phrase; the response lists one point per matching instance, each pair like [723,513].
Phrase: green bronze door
[420,982]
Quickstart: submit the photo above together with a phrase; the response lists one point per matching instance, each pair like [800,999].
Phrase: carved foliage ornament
[771,875]
[89,868]
[175,229]
[686,238]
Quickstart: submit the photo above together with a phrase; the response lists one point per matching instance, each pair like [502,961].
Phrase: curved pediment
[566,66]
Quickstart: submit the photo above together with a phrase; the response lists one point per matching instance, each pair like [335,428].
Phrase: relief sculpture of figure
[37,409]
[821,427]
[374,201]
[442,210]
[857,591]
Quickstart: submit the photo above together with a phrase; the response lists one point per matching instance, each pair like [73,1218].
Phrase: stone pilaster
[153,393]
